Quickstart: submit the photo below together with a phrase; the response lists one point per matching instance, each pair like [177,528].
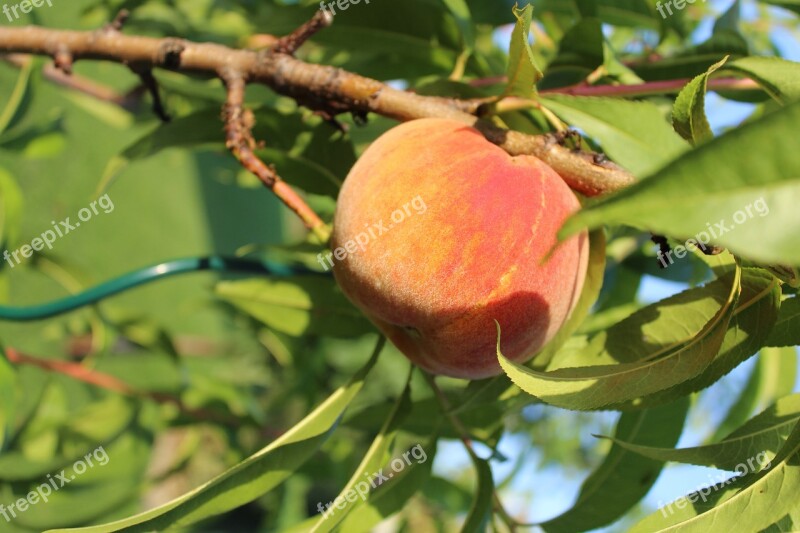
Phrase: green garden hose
[147,275]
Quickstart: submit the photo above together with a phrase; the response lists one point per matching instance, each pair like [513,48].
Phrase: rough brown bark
[316,86]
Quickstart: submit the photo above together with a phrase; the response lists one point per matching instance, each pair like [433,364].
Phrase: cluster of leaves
[280,404]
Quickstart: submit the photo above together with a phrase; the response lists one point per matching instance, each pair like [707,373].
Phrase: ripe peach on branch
[482,250]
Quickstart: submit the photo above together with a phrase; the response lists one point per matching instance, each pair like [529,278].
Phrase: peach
[438,233]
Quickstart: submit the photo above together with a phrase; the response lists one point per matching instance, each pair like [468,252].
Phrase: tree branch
[636,89]
[239,140]
[293,41]
[654,87]
[108,382]
[78,83]
[318,87]
[151,85]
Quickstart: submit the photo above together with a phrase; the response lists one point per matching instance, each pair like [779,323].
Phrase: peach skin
[438,233]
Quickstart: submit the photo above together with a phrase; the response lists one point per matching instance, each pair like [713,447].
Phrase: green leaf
[309,173]
[756,311]
[10,210]
[17,96]
[689,113]
[786,331]
[393,496]
[109,113]
[787,274]
[523,74]
[374,459]
[316,160]
[37,138]
[788,524]
[634,134]
[779,77]
[201,128]
[587,8]
[622,474]
[102,421]
[628,13]
[744,405]
[102,490]
[460,11]
[297,306]
[7,403]
[580,52]
[792,5]
[481,412]
[765,432]
[750,502]
[773,377]
[648,330]
[592,285]
[662,367]
[721,182]
[480,513]
[147,370]
[694,61]
[729,21]
[779,373]
[407,40]
[255,475]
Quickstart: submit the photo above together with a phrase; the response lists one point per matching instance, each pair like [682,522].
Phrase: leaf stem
[463,434]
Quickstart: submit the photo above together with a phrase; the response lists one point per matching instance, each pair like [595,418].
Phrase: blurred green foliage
[263,393]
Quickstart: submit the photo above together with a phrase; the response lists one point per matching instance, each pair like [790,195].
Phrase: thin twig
[293,41]
[633,90]
[62,60]
[653,88]
[108,382]
[463,434]
[149,82]
[119,21]
[86,86]
[239,140]
[78,83]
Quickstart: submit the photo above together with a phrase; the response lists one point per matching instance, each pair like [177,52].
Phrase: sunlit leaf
[297,306]
[634,134]
[689,112]
[522,70]
[628,477]
[372,462]
[255,475]
[598,386]
[786,331]
[721,193]
[750,502]
[480,514]
[759,438]
[779,77]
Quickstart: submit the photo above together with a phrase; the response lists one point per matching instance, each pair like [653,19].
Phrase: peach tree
[577,254]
